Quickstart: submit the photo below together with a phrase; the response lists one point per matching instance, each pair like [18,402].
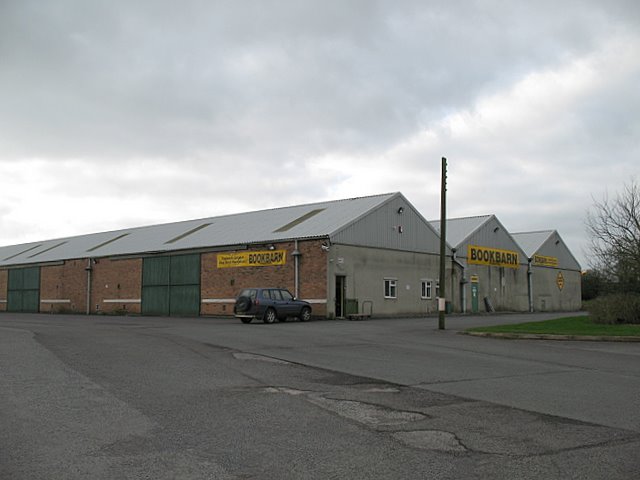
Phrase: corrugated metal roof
[547,243]
[322,219]
[531,242]
[459,229]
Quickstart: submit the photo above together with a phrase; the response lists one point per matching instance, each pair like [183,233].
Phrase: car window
[265,294]
[248,292]
[275,295]
[286,295]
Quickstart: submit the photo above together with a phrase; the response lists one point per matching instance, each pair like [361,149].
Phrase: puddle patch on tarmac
[431,440]
[368,414]
[365,413]
[288,391]
[259,358]
[382,390]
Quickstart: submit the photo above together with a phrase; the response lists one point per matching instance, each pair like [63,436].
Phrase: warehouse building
[555,276]
[375,253]
[493,266]
[371,254]
[531,271]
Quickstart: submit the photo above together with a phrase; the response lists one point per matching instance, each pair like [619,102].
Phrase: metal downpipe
[89,269]
[296,269]
[530,286]
[463,281]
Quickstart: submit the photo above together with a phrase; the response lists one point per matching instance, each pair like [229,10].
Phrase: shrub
[615,308]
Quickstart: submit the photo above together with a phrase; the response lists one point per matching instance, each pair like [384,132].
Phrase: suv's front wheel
[305,314]
[270,316]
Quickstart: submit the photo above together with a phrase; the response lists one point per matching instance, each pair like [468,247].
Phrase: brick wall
[4,276]
[220,286]
[313,275]
[63,287]
[116,286]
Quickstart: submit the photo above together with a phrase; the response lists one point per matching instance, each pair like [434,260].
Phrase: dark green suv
[270,304]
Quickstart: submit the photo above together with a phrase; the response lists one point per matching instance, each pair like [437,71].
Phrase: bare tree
[614,228]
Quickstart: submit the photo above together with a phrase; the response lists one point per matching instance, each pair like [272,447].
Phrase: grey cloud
[272,79]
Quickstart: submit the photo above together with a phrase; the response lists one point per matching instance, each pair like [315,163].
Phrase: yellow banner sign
[492,256]
[543,261]
[252,259]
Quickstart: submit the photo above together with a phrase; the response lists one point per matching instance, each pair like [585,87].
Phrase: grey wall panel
[547,294]
[365,270]
[555,247]
[385,227]
[492,234]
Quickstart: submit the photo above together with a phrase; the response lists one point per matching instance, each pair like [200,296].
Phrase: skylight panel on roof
[299,220]
[115,239]
[47,249]
[186,234]
[23,251]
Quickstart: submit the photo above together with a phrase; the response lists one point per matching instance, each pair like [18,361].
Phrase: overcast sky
[126,113]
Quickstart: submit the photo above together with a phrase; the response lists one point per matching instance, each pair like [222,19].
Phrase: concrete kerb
[545,336]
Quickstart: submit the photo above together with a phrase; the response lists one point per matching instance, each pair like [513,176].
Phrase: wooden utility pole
[443,245]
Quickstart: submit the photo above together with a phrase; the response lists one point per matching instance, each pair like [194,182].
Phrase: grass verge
[582,325]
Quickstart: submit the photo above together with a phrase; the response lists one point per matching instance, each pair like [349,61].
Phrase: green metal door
[474,297]
[155,271]
[185,285]
[23,292]
[155,300]
[185,270]
[155,286]
[184,300]
[171,285]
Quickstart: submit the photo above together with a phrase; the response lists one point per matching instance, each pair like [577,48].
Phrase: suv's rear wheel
[270,316]
[305,314]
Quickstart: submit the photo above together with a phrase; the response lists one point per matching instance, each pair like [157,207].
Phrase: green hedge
[615,308]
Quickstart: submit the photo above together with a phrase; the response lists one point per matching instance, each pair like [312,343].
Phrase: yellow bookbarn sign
[252,259]
[542,261]
[492,256]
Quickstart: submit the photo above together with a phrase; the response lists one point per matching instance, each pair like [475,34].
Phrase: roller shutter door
[171,285]
[23,292]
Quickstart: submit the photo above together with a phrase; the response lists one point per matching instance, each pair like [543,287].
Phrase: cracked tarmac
[186,400]
[428,421]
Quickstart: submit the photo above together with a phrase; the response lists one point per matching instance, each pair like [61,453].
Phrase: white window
[390,288]
[427,289]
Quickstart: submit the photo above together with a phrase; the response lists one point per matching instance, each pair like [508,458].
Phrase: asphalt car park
[149,397]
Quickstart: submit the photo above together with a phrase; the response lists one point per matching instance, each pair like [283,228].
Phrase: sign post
[442,303]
